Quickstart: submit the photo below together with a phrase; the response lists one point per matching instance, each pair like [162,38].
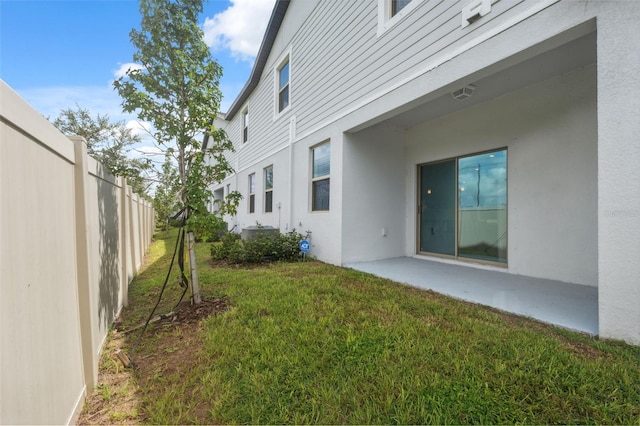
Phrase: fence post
[124,249]
[81,173]
[132,238]
[140,228]
[146,225]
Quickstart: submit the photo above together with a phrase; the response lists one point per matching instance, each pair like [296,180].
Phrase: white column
[619,171]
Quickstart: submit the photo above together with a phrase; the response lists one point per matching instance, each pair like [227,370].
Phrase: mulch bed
[186,313]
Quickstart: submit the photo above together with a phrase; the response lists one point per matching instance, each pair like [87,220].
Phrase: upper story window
[398,5]
[252,193]
[320,177]
[268,189]
[283,85]
[245,125]
[391,12]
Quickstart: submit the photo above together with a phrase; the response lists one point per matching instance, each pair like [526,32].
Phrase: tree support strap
[183,281]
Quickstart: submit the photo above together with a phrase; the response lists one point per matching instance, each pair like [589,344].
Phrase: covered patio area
[567,305]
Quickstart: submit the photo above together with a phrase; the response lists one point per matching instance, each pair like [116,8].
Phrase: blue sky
[59,53]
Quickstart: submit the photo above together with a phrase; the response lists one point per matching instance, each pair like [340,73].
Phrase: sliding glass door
[438,208]
[463,207]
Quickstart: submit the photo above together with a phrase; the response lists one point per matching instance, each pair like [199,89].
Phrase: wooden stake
[124,359]
[156,319]
[195,287]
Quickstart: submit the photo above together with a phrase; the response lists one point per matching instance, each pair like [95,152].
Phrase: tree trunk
[195,287]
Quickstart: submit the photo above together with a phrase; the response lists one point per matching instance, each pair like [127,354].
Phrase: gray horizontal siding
[338,59]
[333,74]
[265,134]
[233,133]
[328,55]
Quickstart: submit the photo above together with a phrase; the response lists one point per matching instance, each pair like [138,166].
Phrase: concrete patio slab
[568,305]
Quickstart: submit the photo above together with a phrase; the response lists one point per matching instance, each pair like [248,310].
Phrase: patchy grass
[115,399]
[313,343]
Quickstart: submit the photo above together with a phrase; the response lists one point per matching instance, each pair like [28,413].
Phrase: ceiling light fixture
[464,92]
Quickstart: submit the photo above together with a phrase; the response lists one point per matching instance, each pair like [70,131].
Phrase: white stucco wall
[279,217]
[326,226]
[550,132]
[374,211]
[619,172]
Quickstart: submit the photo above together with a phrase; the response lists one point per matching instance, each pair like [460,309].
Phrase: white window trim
[319,178]
[245,124]
[251,193]
[264,174]
[286,57]
[386,21]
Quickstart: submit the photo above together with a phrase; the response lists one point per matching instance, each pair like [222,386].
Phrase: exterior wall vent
[474,11]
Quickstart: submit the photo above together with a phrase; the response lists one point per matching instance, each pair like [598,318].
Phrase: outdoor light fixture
[464,92]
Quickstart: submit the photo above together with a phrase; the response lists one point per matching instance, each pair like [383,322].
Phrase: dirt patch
[228,265]
[115,399]
[186,313]
[176,350]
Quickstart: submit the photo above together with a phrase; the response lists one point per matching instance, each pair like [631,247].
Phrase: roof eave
[277,16]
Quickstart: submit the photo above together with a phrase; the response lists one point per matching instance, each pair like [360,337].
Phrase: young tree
[107,142]
[165,200]
[176,89]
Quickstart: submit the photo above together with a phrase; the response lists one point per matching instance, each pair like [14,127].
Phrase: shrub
[175,223]
[228,247]
[263,248]
[207,228]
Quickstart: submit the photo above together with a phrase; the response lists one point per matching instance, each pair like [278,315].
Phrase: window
[245,125]
[463,207]
[398,5]
[252,193]
[268,189]
[392,12]
[283,85]
[217,200]
[321,169]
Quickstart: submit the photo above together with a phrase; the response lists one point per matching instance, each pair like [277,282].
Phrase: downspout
[235,217]
[292,135]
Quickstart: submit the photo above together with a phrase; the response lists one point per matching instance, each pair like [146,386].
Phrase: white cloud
[97,99]
[49,101]
[141,128]
[240,28]
[151,150]
[147,151]
[144,129]
[122,71]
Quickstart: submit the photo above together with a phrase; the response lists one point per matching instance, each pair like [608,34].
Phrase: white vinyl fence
[71,239]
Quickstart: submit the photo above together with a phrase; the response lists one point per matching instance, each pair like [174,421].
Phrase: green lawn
[313,343]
